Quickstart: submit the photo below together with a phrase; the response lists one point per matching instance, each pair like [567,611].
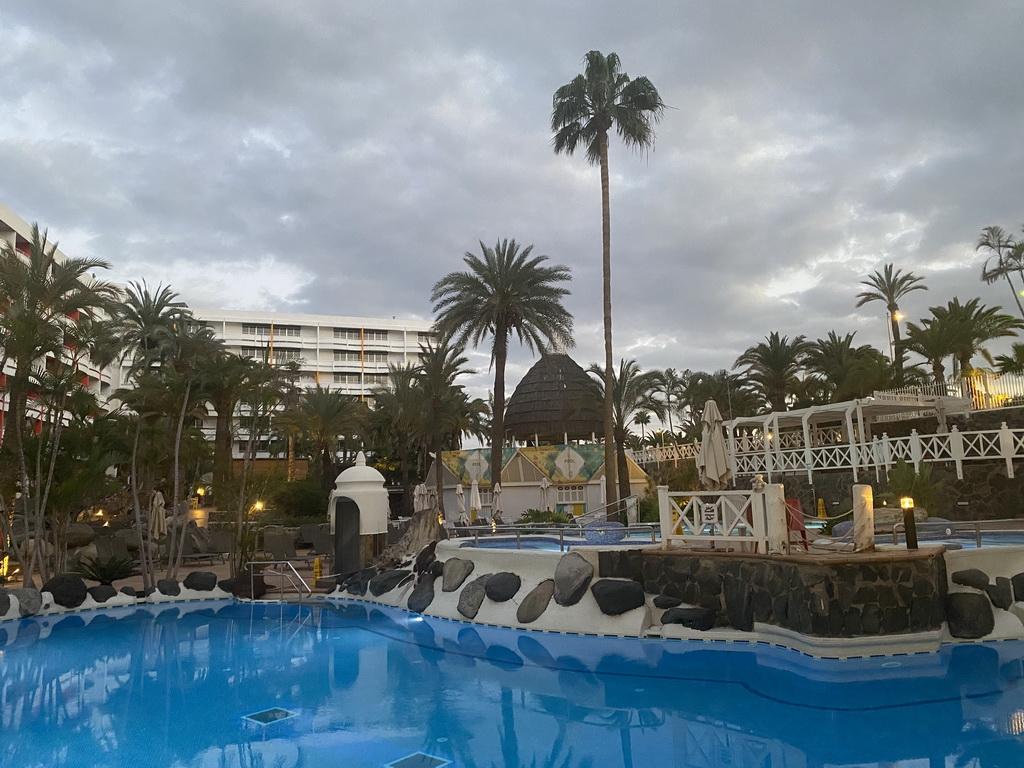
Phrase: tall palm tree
[642,420]
[1004,259]
[325,416]
[934,341]
[834,359]
[228,379]
[889,286]
[632,391]
[734,394]
[671,386]
[41,298]
[773,366]
[1014,362]
[443,403]
[583,111]
[506,293]
[973,325]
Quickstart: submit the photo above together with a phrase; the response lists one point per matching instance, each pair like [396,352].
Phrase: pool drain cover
[268,716]
[419,760]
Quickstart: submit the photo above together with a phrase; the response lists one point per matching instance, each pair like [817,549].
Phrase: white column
[776,518]
[863,518]
[664,515]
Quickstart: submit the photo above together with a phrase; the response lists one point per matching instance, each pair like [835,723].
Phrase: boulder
[5,603]
[572,577]
[68,590]
[29,600]
[970,577]
[456,571]
[227,585]
[387,581]
[247,586]
[200,581]
[102,593]
[422,594]
[425,557]
[739,605]
[130,591]
[1000,593]
[666,602]
[127,535]
[617,596]
[357,583]
[536,602]
[79,535]
[502,586]
[436,569]
[1018,587]
[169,587]
[472,596]
[969,615]
[694,618]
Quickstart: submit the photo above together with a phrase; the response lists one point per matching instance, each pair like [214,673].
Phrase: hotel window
[353,379]
[286,354]
[571,494]
[255,329]
[341,356]
[354,334]
[265,329]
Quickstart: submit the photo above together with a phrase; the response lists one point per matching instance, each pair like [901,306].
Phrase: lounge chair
[282,547]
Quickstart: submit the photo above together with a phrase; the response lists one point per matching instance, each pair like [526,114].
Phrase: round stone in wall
[422,594]
[502,586]
[456,571]
[617,596]
[572,577]
[68,590]
[472,596]
[535,603]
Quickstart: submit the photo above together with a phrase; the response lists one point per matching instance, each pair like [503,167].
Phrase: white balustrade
[738,518]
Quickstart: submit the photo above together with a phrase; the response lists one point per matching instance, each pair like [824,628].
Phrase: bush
[540,516]
[302,498]
[105,571]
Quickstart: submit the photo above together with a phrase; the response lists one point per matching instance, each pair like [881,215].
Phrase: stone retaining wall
[874,595]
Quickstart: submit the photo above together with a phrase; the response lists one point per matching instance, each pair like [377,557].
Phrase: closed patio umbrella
[474,500]
[496,504]
[545,495]
[420,499]
[157,517]
[713,459]
[460,499]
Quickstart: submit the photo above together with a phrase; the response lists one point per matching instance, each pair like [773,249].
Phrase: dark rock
[694,618]
[1018,586]
[425,557]
[29,600]
[969,615]
[5,603]
[536,602]
[127,535]
[201,581]
[895,620]
[739,606]
[169,587]
[572,577]
[851,622]
[709,581]
[666,602]
[422,594]
[502,586]
[357,583]
[387,581]
[456,571]
[615,597]
[148,591]
[227,585]
[79,535]
[102,593]
[971,577]
[250,586]
[472,596]
[67,589]
[762,606]
[436,569]
[130,591]
[1001,593]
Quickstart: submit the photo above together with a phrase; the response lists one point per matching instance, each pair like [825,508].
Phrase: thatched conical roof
[555,398]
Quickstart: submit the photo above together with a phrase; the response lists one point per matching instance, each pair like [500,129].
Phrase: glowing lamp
[200,491]
[906,502]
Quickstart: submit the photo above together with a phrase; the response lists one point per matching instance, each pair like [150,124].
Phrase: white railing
[756,519]
[880,453]
[656,454]
[985,390]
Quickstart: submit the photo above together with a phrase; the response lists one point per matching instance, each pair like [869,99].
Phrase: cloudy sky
[340,157]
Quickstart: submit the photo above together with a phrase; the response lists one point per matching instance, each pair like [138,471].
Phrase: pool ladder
[284,574]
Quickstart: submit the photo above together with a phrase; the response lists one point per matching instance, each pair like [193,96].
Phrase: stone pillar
[776,517]
[863,518]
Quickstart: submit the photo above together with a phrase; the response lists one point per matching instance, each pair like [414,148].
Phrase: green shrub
[302,498]
[540,516]
[105,571]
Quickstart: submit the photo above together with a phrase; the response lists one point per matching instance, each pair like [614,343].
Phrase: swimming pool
[353,685]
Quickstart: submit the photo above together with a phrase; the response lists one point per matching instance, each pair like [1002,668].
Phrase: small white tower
[358,513]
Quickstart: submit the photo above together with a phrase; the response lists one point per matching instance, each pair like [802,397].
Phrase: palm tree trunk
[222,453]
[623,471]
[610,468]
[498,417]
[145,541]
[897,350]
[172,571]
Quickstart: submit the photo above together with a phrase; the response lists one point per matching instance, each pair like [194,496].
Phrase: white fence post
[863,518]
[956,450]
[664,515]
[776,518]
[1006,448]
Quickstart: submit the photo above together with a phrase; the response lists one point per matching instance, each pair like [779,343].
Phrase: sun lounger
[282,547]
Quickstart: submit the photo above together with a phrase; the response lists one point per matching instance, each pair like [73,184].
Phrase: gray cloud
[325,157]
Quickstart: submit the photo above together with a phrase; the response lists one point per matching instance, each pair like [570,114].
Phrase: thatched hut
[556,400]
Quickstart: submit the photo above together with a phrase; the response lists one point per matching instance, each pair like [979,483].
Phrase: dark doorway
[347,551]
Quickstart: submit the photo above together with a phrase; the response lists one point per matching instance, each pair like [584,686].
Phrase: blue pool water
[358,686]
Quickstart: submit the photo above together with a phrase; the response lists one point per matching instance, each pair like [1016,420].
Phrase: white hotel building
[348,354]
